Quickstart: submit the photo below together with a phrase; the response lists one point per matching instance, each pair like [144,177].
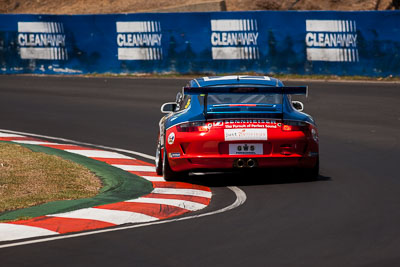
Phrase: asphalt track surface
[350,216]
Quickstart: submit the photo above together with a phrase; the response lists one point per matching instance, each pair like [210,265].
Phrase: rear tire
[169,174]
[312,173]
[159,162]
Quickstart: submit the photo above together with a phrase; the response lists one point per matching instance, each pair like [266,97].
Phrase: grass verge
[118,185]
[28,178]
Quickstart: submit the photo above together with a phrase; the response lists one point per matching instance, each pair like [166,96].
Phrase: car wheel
[169,174]
[312,173]
[159,162]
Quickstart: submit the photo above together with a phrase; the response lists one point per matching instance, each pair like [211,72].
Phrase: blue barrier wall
[306,42]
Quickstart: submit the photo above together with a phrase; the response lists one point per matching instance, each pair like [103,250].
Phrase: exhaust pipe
[245,163]
[251,163]
[240,163]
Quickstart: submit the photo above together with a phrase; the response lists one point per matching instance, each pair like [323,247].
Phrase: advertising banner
[363,43]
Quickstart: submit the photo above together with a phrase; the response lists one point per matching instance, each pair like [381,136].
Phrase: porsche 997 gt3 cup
[236,122]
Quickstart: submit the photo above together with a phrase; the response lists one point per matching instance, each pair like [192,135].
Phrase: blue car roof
[234,80]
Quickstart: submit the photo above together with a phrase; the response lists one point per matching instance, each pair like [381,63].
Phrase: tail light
[288,126]
[193,127]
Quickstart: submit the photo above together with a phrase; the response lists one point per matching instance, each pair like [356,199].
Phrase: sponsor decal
[245,149]
[245,134]
[139,40]
[235,124]
[42,40]
[171,138]
[218,123]
[331,40]
[234,39]
[174,155]
[188,103]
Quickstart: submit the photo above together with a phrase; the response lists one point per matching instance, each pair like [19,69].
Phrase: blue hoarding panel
[289,42]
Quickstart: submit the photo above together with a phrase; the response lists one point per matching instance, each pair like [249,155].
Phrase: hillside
[130,6]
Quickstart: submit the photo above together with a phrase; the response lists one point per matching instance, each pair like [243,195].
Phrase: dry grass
[131,6]
[28,178]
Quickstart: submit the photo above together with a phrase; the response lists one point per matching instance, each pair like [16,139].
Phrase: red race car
[236,122]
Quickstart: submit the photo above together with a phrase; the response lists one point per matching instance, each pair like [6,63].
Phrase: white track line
[182,191]
[10,231]
[10,135]
[184,204]
[240,199]
[136,168]
[29,142]
[154,178]
[111,216]
[98,154]
[79,143]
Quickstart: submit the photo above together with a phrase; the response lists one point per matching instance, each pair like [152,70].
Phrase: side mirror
[168,107]
[298,105]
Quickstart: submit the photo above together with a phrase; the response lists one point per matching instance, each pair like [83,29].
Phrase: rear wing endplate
[286,90]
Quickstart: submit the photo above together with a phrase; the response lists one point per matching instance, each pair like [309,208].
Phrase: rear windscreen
[221,99]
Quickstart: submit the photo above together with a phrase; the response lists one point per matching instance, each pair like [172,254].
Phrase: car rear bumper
[217,149]
[232,162]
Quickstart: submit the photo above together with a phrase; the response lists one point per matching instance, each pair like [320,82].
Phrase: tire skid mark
[168,199]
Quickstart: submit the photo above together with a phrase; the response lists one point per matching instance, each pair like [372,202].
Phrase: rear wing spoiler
[286,90]
[283,90]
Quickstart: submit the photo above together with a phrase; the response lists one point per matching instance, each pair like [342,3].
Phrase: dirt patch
[345,5]
[88,6]
[131,6]
[29,178]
